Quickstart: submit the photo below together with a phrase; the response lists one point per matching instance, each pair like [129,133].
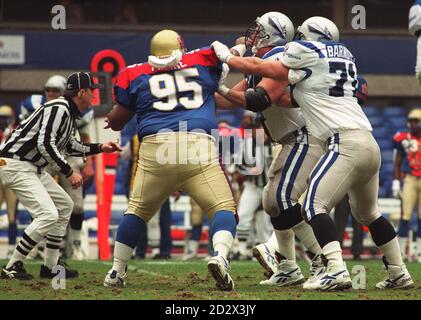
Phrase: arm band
[257,99]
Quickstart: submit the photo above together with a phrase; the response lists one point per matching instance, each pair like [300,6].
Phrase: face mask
[415,127]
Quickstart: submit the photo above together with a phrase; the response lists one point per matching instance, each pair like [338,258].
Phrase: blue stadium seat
[376,120]
[394,111]
[381,133]
[385,144]
[382,192]
[387,169]
[387,156]
[400,129]
[397,121]
[372,111]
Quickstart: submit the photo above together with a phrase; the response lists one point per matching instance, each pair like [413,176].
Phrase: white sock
[193,246]
[286,243]
[76,235]
[306,235]
[333,252]
[24,247]
[222,242]
[51,257]
[122,254]
[273,242]
[155,251]
[17,256]
[403,241]
[418,247]
[52,250]
[392,252]
[242,247]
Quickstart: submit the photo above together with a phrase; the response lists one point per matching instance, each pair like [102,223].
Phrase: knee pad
[381,231]
[287,218]
[76,221]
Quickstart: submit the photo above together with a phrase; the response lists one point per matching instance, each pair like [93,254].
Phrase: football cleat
[288,274]
[399,277]
[115,280]
[47,273]
[189,256]
[267,259]
[317,268]
[219,267]
[16,271]
[336,277]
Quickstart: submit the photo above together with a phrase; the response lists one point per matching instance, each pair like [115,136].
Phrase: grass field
[153,280]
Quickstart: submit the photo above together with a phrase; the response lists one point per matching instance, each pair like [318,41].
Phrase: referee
[37,142]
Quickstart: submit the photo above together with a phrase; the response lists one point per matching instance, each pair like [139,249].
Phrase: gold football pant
[411,196]
[186,162]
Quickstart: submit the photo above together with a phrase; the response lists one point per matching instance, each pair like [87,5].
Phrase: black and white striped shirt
[42,137]
[257,171]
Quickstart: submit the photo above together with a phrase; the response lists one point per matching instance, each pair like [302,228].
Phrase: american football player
[172,97]
[323,74]
[290,168]
[407,164]
[415,29]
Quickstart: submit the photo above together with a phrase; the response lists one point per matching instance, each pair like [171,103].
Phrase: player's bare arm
[397,164]
[251,65]
[223,103]
[268,92]
[257,66]
[118,117]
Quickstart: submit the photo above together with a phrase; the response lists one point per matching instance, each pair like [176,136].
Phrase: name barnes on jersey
[339,51]
[332,51]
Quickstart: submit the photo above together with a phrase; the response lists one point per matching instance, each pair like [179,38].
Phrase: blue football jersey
[29,105]
[180,98]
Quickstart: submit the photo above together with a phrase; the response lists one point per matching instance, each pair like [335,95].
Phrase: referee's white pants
[49,205]
[250,201]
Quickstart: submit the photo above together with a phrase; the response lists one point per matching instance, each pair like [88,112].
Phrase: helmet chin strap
[170,61]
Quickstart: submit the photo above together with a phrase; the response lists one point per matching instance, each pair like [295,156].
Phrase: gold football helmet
[6,111]
[165,42]
[415,114]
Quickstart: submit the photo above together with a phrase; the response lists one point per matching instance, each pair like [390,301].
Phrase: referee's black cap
[81,80]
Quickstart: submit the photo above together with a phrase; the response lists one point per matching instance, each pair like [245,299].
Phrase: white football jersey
[414,25]
[324,83]
[280,121]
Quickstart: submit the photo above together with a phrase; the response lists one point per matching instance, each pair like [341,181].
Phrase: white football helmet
[317,29]
[56,82]
[271,29]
